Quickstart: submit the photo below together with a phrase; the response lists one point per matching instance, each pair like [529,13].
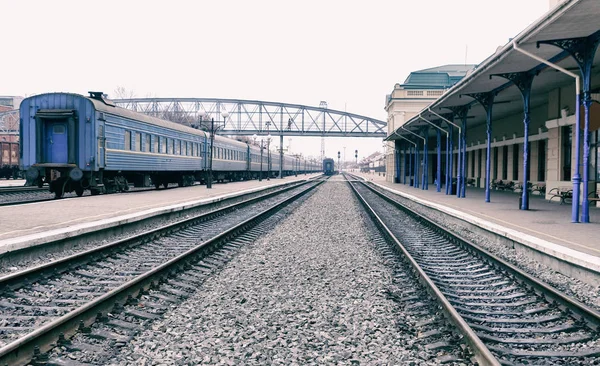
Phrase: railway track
[44,305]
[506,316]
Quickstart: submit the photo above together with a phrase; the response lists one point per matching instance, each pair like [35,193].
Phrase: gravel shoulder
[312,291]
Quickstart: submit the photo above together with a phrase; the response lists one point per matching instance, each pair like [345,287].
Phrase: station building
[527,116]
[418,91]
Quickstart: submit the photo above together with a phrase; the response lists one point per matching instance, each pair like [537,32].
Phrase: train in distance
[329,167]
[77,143]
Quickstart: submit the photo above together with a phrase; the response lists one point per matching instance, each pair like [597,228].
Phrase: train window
[177,147]
[155,145]
[138,141]
[58,129]
[147,147]
[172,142]
[127,140]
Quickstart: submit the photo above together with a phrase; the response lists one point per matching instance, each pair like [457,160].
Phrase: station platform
[546,227]
[12,182]
[26,225]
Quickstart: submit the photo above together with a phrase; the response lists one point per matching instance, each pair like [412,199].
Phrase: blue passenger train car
[74,143]
[328,166]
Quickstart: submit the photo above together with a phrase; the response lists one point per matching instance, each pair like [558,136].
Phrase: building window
[473,163]
[541,175]
[596,149]
[479,163]
[566,138]
[515,164]
[127,140]
[496,163]
[505,162]
[414,93]
[434,93]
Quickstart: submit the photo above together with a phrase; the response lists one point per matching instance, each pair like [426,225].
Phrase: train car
[74,143]
[9,160]
[328,166]
[94,145]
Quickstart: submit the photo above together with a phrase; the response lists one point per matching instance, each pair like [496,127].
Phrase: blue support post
[487,101]
[397,163]
[424,182]
[447,175]
[451,157]
[439,161]
[583,50]
[523,81]
[458,166]
[410,167]
[463,182]
[461,172]
[417,170]
[405,164]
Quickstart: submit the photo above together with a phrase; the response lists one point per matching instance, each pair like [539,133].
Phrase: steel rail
[22,350]
[482,354]
[579,311]
[578,308]
[19,189]
[12,280]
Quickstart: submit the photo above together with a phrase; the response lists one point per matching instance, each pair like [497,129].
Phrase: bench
[518,187]
[539,189]
[594,196]
[505,186]
[564,194]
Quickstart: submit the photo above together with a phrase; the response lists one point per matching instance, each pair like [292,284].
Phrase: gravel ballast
[312,291]
[582,291]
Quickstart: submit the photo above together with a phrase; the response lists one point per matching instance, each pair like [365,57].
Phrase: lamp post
[261,156]
[213,131]
[269,156]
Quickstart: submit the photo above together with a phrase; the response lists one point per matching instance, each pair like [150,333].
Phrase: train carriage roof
[105,106]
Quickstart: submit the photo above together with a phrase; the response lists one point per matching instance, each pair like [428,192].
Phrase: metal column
[523,81]
[583,50]
[487,101]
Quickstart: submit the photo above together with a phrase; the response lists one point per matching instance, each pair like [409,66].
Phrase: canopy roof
[570,19]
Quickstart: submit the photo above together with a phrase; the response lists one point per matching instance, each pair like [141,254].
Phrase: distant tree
[123,93]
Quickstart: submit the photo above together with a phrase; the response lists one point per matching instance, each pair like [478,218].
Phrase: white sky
[348,53]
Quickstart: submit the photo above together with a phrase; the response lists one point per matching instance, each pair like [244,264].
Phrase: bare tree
[123,93]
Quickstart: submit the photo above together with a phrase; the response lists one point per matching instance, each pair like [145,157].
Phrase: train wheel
[94,192]
[58,193]
[165,185]
[157,185]
[79,191]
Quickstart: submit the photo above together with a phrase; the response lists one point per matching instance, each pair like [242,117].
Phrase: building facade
[418,90]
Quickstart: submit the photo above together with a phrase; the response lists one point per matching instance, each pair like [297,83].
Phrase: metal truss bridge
[249,117]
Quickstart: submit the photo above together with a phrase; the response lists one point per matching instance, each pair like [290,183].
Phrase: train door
[56,142]
[101,146]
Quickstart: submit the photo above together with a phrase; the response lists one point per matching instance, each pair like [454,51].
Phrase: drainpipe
[439,166]
[458,178]
[576,176]
[417,153]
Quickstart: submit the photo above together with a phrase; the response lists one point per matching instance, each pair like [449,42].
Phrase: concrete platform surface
[546,226]
[12,182]
[27,224]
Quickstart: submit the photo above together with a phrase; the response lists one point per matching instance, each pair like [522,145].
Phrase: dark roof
[440,77]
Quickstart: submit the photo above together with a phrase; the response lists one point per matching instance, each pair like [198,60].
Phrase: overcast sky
[348,53]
